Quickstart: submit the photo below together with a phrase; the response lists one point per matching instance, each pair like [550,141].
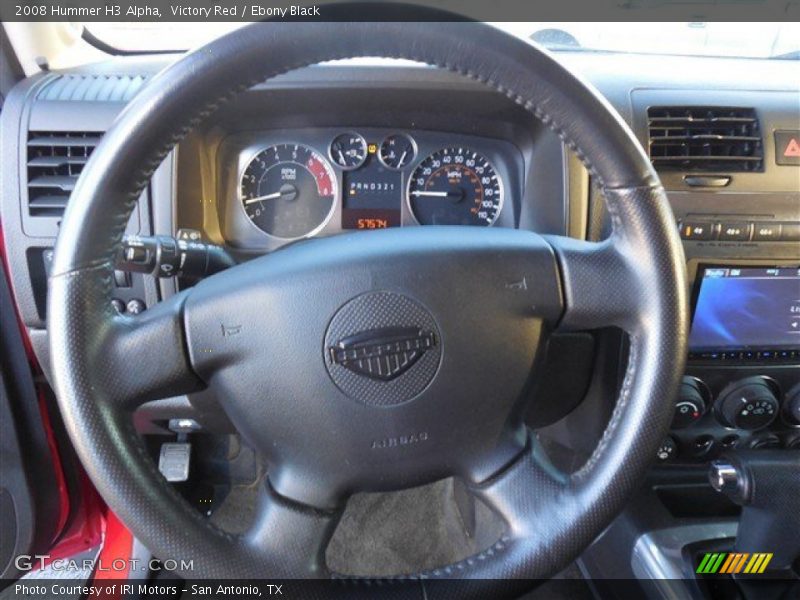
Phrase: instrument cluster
[291,185]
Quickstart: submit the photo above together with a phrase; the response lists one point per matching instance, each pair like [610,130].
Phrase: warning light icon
[792,148]
[787,147]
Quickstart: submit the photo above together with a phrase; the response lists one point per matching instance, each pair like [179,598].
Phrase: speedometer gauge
[455,186]
[287,191]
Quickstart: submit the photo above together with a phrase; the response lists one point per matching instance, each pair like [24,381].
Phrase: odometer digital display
[372,196]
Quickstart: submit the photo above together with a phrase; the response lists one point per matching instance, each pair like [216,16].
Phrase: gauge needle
[431,194]
[261,198]
[455,196]
[287,191]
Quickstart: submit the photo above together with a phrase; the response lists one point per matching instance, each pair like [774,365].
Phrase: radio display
[372,195]
[746,308]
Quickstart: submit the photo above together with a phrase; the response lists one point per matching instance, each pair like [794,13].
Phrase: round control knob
[791,410]
[691,403]
[749,404]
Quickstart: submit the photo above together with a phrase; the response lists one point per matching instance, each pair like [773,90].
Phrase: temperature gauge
[397,151]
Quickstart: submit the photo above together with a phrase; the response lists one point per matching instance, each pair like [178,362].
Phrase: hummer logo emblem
[382,354]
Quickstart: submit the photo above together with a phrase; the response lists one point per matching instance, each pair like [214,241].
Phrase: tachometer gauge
[455,186]
[288,191]
[349,150]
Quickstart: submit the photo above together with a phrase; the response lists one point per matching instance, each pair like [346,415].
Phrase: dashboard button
[135,306]
[118,305]
[790,232]
[697,230]
[787,147]
[735,231]
[668,450]
[766,232]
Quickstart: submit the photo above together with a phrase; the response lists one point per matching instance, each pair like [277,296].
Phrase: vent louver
[705,138]
[92,88]
[55,160]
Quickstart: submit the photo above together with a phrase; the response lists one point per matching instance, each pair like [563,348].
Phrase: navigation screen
[745,308]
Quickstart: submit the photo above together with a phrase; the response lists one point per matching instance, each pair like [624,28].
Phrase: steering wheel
[371,361]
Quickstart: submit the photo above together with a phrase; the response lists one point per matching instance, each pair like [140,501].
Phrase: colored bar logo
[734,562]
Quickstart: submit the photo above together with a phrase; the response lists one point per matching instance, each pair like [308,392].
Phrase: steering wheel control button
[382,348]
[748,404]
[135,306]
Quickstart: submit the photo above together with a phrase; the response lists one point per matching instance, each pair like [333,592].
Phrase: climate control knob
[749,403]
[691,404]
[791,410]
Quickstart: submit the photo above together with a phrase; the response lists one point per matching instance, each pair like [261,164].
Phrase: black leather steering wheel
[326,430]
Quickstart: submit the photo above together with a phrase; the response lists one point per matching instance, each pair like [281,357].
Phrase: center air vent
[705,138]
[55,160]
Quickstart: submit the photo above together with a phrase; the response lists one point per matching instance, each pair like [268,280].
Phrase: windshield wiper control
[165,256]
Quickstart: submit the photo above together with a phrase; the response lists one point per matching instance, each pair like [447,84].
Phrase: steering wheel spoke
[131,359]
[524,494]
[600,284]
[298,532]
[151,348]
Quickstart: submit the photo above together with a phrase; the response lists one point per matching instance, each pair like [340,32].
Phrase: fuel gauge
[348,150]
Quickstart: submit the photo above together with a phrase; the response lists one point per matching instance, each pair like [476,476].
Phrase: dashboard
[280,186]
[355,147]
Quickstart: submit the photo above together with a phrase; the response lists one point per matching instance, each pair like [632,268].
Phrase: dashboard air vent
[705,138]
[55,160]
[92,88]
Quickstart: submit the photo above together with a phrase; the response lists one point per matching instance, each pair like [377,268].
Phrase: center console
[738,406]
[742,383]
